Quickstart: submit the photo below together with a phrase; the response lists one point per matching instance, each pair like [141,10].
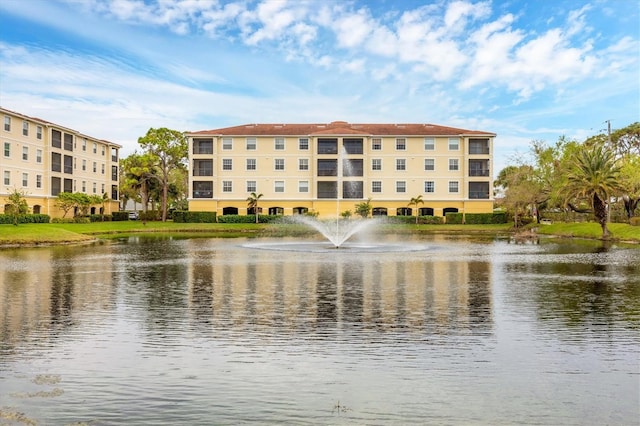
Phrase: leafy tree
[66,201]
[252,201]
[521,189]
[17,205]
[167,149]
[140,178]
[364,209]
[595,176]
[630,181]
[346,214]
[415,201]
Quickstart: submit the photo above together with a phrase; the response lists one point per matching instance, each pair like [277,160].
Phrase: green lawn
[56,233]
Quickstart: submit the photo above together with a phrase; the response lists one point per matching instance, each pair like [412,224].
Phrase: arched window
[300,210]
[426,211]
[404,211]
[379,211]
[449,210]
[276,211]
[230,210]
[36,209]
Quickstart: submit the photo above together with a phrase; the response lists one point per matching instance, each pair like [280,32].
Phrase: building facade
[42,159]
[329,168]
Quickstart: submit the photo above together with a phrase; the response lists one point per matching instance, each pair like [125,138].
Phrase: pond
[456,331]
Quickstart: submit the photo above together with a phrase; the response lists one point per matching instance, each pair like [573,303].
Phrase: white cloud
[352,29]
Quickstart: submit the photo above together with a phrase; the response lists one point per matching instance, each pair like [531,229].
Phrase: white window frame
[227,186]
[454,187]
[251,144]
[84,165]
[94,187]
[429,144]
[454,144]
[25,153]
[401,164]
[278,144]
[278,164]
[303,186]
[278,186]
[429,186]
[227,144]
[401,144]
[376,164]
[252,186]
[6,150]
[95,148]
[38,181]
[227,164]
[376,186]
[25,180]
[38,132]
[454,164]
[376,144]
[251,164]
[7,177]
[303,164]
[303,144]
[38,156]
[7,123]
[431,167]
[401,186]
[25,128]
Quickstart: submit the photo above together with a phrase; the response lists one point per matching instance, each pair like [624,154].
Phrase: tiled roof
[339,128]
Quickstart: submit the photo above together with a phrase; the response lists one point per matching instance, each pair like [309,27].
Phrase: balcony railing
[478,195]
[479,172]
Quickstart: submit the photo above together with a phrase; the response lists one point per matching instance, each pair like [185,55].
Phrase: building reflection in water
[297,291]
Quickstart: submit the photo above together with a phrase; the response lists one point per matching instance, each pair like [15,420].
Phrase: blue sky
[526,70]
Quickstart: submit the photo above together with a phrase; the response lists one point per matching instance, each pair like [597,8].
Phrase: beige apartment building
[42,159]
[329,168]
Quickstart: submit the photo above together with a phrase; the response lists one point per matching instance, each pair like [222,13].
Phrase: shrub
[149,215]
[25,218]
[453,218]
[100,218]
[236,218]
[181,216]
[119,216]
[634,221]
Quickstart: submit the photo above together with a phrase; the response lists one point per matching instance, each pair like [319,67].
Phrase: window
[39,132]
[25,129]
[202,189]
[303,164]
[75,186]
[7,149]
[38,181]
[352,167]
[251,163]
[401,186]
[84,165]
[376,144]
[352,189]
[38,156]
[25,179]
[454,144]
[227,186]
[68,164]
[429,186]
[227,164]
[84,186]
[327,189]
[7,123]
[56,184]
[401,144]
[114,173]
[279,163]
[429,164]
[479,190]
[327,167]
[25,153]
[479,146]
[478,167]
[7,177]
[227,143]
[95,148]
[56,138]
[279,144]
[56,162]
[453,186]
[429,144]
[352,145]
[203,167]
[95,189]
[251,186]
[303,186]
[278,186]
[376,186]
[95,167]
[376,164]
[401,164]
[327,146]
[68,142]
[251,144]
[102,169]
[202,146]
[453,164]
[102,188]
[303,144]
[84,144]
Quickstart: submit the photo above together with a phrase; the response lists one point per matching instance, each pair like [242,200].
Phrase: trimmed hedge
[634,221]
[7,219]
[149,215]
[411,220]
[454,218]
[182,216]
[477,218]
[236,218]
[119,216]
[100,218]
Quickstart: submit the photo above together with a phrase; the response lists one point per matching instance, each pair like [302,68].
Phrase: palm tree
[414,202]
[594,175]
[252,200]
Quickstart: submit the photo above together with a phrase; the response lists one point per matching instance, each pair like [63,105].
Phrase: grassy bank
[60,233]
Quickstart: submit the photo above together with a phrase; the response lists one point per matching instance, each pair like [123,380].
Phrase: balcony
[478,146]
[479,168]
